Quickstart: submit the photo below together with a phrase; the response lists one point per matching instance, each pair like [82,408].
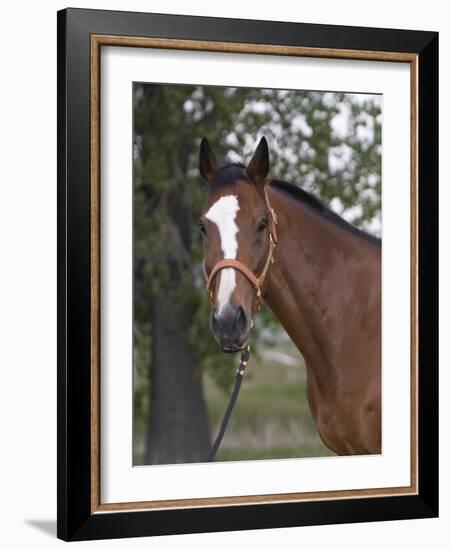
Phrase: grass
[300,451]
[271,418]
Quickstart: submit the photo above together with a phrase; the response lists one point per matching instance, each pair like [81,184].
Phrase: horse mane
[321,208]
[230,172]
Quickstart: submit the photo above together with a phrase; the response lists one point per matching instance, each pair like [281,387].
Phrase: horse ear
[207,161]
[259,166]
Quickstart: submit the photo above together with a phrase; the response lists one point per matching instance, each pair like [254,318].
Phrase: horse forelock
[228,175]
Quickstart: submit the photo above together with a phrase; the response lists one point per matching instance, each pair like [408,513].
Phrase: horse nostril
[232,321]
[240,321]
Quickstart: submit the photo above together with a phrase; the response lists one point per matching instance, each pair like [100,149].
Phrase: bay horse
[320,276]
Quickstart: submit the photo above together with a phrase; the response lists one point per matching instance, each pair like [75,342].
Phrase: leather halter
[256,281]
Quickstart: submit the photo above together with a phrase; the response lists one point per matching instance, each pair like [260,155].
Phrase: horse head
[239,235]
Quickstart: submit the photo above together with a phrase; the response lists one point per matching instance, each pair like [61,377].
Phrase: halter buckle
[258,298]
[274,216]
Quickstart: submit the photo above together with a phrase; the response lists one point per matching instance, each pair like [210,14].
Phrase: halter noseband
[256,282]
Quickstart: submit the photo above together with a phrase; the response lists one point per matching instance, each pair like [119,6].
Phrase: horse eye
[262,225]
[202,229]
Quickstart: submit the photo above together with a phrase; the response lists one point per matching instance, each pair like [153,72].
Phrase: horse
[269,239]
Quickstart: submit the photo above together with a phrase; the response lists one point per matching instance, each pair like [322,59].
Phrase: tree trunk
[178,430]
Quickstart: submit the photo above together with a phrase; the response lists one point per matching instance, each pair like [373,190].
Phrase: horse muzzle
[231,327]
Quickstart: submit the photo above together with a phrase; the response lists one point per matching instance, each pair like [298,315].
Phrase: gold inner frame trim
[97,41]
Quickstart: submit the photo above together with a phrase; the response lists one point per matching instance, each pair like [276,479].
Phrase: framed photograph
[247,257]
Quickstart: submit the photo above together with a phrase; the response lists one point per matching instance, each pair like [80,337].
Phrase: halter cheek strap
[256,281]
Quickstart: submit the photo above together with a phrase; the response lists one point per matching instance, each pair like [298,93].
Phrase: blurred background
[328,143]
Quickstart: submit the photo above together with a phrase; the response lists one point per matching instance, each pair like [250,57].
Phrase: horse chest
[347,425]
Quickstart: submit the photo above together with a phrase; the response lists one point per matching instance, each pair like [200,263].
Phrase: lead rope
[245,356]
[257,282]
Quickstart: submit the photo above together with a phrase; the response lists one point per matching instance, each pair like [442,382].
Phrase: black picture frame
[76,521]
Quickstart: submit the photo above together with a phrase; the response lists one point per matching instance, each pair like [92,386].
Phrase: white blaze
[223,213]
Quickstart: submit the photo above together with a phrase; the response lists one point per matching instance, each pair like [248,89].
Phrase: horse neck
[312,282]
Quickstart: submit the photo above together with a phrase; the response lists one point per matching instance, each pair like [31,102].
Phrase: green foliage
[329,143]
